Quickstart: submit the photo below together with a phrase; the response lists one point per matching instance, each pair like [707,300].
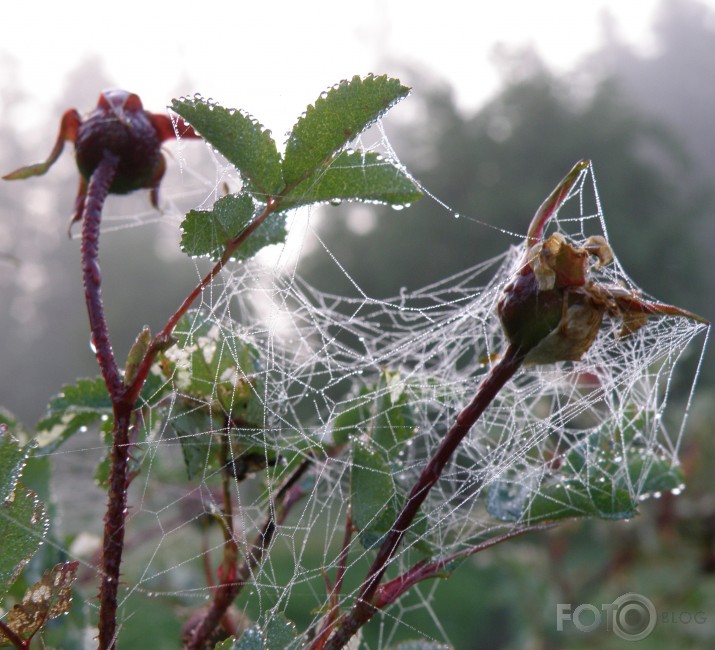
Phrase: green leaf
[217,367]
[207,232]
[574,499]
[82,404]
[23,526]
[76,407]
[271,231]
[239,138]
[394,421]
[23,520]
[338,116]
[566,499]
[373,498]
[192,425]
[277,634]
[12,461]
[355,176]
[355,419]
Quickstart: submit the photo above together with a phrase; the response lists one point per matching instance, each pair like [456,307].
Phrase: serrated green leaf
[76,406]
[85,395]
[278,633]
[13,458]
[239,138]
[355,176]
[23,526]
[394,421]
[373,498]
[217,367]
[271,231]
[206,232]
[354,419]
[192,425]
[563,500]
[54,430]
[651,475]
[338,116]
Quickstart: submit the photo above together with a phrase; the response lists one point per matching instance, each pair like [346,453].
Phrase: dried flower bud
[553,310]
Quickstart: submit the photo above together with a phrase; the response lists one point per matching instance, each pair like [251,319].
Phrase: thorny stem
[123,400]
[231,586]
[91,275]
[365,605]
[115,515]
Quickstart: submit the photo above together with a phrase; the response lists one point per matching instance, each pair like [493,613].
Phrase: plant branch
[13,637]
[231,586]
[92,276]
[163,338]
[365,608]
[115,516]
[393,589]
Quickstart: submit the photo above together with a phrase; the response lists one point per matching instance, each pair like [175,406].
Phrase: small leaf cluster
[220,388]
[378,424]
[599,476]
[316,167]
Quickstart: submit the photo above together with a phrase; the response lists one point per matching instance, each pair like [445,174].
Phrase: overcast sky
[272,58]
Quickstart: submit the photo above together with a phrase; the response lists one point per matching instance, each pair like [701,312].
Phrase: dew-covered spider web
[316,398]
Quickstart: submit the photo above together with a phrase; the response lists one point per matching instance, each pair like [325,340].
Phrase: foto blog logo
[631,617]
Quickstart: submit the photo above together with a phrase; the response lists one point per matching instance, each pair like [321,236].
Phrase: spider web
[320,356]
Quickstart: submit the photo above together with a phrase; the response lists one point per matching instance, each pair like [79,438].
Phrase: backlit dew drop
[92,345]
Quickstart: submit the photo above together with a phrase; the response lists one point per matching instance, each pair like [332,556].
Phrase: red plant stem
[13,638]
[162,339]
[114,524]
[365,608]
[91,275]
[114,518]
[228,590]
[336,590]
[390,591]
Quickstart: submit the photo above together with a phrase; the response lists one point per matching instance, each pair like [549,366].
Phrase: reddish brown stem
[115,516]
[97,192]
[390,591]
[228,590]
[336,590]
[13,638]
[114,524]
[162,339]
[365,607]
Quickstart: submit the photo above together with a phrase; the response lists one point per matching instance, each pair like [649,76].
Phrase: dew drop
[398,207]
[92,345]
[457,215]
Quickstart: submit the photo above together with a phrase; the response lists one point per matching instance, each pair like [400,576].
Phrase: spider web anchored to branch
[316,398]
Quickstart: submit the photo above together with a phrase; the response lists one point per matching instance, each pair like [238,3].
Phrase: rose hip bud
[553,309]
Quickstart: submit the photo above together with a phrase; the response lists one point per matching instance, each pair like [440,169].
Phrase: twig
[365,607]
[231,586]
[115,516]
